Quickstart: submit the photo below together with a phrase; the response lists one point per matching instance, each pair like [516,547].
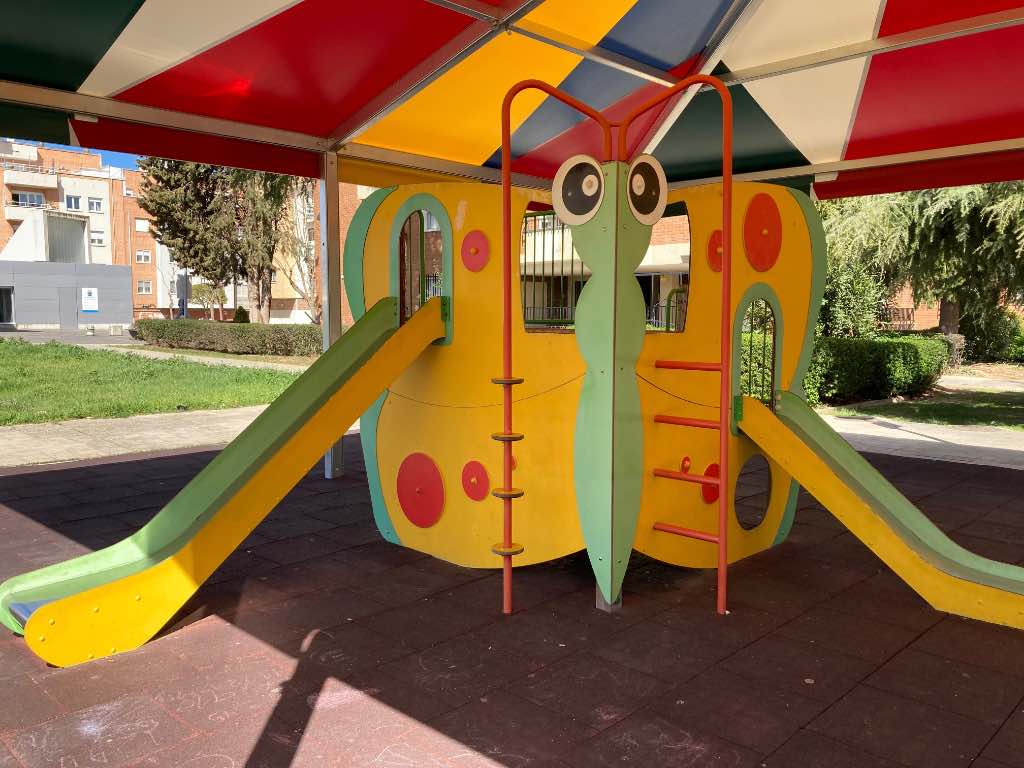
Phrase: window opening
[757,352]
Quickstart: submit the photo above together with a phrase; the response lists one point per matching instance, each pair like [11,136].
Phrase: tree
[961,246]
[208,296]
[191,216]
[297,252]
[220,223]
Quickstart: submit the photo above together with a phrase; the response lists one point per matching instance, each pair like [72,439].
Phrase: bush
[846,370]
[241,315]
[244,339]
[991,339]
[957,347]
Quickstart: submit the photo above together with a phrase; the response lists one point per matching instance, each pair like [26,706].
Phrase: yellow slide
[121,602]
[949,577]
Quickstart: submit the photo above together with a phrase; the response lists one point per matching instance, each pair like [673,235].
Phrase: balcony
[28,177]
[15,211]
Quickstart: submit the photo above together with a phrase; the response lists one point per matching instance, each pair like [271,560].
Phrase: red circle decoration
[420,490]
[710,492]
[762,232]
[475,482]
[476,250]
[715,251]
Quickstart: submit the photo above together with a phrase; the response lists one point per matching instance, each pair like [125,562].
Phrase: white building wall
[29,241]
[94,184]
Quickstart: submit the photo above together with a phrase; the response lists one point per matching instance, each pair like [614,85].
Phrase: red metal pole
[725,391]
[506,289]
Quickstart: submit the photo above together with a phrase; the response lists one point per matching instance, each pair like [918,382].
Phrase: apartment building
[57,263]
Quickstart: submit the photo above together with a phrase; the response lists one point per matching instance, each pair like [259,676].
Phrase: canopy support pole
[330,277]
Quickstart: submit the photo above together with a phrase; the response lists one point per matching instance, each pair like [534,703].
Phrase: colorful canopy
[855,96]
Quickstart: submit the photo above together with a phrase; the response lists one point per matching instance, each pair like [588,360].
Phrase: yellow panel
[458,117]
[445,405]
[695,393]
[126,613]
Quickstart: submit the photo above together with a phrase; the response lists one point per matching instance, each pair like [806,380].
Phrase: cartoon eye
[578,189]
[648,189]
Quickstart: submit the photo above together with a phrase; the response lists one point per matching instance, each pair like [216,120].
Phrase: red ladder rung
[672,474]
[687,532]
[684,421]
[687,365]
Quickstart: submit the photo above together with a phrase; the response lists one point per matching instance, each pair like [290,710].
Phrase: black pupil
[576,185]
[647,200]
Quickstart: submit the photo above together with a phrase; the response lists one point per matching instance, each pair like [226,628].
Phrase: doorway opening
[757,352]
[6,305]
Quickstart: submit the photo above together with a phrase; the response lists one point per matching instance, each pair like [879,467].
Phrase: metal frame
[330,277]
[82,105]
[825,172]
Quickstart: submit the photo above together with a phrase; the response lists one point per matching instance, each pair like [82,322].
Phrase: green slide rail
[200,500]
[899,513]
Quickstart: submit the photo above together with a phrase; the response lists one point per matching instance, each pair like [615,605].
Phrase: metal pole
[330,277]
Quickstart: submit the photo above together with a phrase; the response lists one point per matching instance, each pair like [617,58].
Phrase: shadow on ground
[317,644]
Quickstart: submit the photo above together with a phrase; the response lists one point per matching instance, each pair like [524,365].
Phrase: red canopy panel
[308,68]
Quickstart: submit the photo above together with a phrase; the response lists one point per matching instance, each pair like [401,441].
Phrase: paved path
[78,337]
[204,359]
[979,384]
[95,438]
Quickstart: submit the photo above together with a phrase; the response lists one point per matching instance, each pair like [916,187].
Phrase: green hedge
[240,338]
[845,370]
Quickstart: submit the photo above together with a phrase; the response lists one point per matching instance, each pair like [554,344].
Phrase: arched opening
[420,262]
[753,491]
[757,352]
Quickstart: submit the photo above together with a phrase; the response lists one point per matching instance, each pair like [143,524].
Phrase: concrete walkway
[979,384]
[26,444]
[203,359]
[78,337]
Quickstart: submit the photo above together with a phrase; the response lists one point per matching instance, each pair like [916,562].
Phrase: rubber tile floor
[318,644]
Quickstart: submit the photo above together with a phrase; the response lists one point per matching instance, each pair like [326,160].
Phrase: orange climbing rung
[687,365]
[684,421]
[687,532]
[686,477]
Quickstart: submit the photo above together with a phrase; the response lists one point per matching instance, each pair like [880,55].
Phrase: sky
[115,159]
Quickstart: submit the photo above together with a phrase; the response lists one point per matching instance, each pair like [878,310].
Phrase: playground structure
[630,439]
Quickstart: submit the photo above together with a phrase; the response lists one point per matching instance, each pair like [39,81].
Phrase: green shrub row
[239,338]
[845,370]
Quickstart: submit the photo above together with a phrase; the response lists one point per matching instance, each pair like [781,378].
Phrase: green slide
[200,500]
[898,512]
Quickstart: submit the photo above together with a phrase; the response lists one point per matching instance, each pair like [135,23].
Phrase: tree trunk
[949,316]
[265,297]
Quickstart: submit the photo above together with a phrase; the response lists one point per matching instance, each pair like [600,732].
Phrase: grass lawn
[997,409]
[286,359]
[54,382]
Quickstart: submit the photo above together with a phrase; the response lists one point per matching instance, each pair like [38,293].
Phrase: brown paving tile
[902,730]
[530,586]
[340,651]
[377,557]
[425,622]
[808,749]
[112,734]
[1007,746]
[311,576]
[406,584]
[656,650]
[595,691]
[819,575]
[16,659]
[296,549]
[873,641]
[512,730]
[225,693]
[1001,551]
[904,609]
[256,744]
[321,610]
[998,648]
[649,740]
[799,667]
[751,714]
[956,686]
[28,704]
[805,534]
[544,634]
[706,634]
[846,548]
[7,760]
[460,670]
[352,535]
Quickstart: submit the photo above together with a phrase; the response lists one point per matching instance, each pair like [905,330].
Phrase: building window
[144,286]
[143,257]
[142,225]
[129,192]
[27,199]
[273,276]
[96,237]
[73,202]
[95,205]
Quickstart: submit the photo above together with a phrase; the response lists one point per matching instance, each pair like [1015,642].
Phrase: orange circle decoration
[715,251]
[420,490]
[475,482]
[476,250]
[710,492]
[762,232]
